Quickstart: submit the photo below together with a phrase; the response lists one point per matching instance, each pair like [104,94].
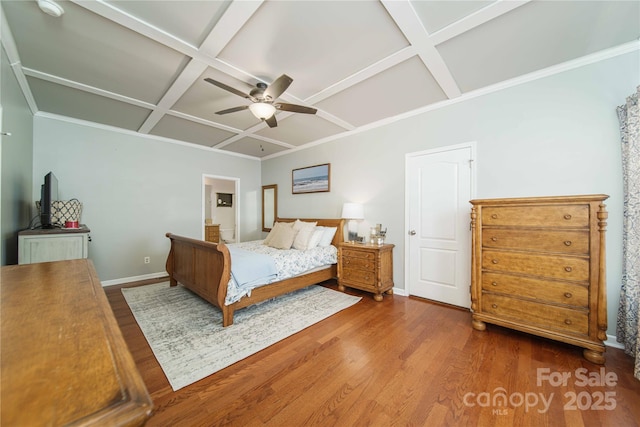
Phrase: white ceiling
[140,65]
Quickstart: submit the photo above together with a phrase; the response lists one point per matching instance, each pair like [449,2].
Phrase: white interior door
[439,187]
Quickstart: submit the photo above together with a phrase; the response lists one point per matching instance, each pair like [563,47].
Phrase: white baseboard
[401,292]
[133,279]
[611,342]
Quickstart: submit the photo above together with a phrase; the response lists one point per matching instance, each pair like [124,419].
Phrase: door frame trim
[408,156]
[236,200]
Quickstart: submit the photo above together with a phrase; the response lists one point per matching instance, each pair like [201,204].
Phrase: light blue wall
[554,136]
[134,189]
[16,156]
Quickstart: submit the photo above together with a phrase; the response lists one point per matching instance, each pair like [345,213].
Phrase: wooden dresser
[64,361]
[212,233]
[366,267]
[538,266]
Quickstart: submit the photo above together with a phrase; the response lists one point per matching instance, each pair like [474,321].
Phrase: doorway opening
[220,208]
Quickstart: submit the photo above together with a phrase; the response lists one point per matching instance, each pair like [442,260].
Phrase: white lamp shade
[262,110]
[352,211]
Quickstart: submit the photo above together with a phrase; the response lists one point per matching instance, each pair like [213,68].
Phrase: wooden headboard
[323,222]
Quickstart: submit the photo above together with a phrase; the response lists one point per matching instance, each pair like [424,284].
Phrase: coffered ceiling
[141,65]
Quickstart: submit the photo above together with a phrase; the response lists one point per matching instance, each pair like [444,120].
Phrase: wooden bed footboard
[205,268]
[202,267]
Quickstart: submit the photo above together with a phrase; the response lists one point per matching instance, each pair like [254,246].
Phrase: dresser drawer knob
[568,294]
[568,269]
[494,239]
[494,261]
[567,217]
[494,284]
[494,216]
[567,242]
[494,305]
[567,321]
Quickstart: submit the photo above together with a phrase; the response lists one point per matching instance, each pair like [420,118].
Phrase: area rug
[186,334]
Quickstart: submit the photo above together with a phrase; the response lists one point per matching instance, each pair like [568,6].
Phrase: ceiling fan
[263,97]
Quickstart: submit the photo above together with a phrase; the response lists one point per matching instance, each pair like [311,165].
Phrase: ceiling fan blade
[278,87]
[227,88]
[271,121]
[233,110]
[295,108]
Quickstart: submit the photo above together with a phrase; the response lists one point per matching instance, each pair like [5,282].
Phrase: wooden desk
[63,357]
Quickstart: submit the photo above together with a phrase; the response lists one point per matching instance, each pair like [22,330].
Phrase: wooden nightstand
[212,233]
[366,267]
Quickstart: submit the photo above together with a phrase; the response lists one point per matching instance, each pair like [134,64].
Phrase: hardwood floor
[400,362]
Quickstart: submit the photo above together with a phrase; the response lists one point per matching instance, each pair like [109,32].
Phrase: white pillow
[327,237]
[304,233]
[318,232]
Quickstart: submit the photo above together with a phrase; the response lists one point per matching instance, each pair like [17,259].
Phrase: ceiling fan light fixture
[262,110]
[50,7]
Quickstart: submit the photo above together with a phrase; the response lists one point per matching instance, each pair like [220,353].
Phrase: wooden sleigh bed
[205,269]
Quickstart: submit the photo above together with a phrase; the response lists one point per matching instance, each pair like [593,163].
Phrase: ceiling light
[50,7]
[262,110]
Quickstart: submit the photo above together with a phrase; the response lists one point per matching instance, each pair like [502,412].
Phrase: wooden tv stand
[64,360]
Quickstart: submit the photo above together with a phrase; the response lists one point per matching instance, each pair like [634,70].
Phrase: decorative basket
[63,211]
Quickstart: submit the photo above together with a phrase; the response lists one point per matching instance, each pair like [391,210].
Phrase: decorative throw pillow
[327,237]
[275,231]
[283,239]
[304,231]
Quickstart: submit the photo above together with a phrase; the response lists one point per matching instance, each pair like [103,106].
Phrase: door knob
[412,232]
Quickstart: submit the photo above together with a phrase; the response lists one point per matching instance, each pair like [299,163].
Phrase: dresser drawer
[563,241]
[559,267]
[542,290]
[363,277]
[531,216]
[536,314]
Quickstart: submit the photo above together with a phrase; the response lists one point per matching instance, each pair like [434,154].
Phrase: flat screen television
[49,193]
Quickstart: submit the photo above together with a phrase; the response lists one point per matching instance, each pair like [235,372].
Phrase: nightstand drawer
[360,276]
[537,289]
[562,241]
[349,262]
[354,253]
[547,216]
[559,267]
[536,314]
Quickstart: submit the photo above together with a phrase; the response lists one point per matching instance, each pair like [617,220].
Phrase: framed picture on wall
[312,179]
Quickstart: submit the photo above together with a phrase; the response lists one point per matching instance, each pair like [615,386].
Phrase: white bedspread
[289,263]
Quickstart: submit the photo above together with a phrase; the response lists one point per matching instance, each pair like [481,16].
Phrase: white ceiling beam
[409,23]
[229,24]
[233,19]
[6,37]
[86,88]
[482,16]
[250,133]
[364,74]
[189,74]
[112,13]
[202,121]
